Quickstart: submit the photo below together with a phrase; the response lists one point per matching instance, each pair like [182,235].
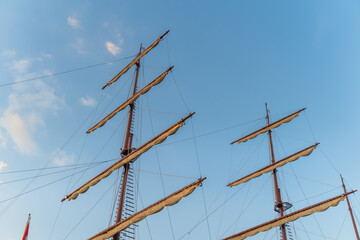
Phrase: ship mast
[279,204]
[126,150]
[130,154]
[350,209]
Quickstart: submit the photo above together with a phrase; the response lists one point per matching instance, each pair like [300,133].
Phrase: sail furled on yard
[136,59]
[128,158]
[152,209]
[319,207]
[144,90]
[269,127]
[271,167]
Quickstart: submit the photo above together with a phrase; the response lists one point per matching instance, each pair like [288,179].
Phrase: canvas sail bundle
[155,82]
[128,158]
[269,127]
[280,163]
[152,209]
[320,207]
[136,59]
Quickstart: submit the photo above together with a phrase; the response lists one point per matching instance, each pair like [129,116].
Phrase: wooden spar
[132,156]
[129,101]
[277,164]
[269,127]
[150,210]
[126,151]
[287,216]
[350,209]
[135,60]
[279,203]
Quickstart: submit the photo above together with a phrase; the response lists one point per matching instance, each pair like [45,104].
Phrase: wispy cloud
[88,101]
[25,113]
[112,48]
[46,55]
[61,158]
[21,65]
[3,141]
[79,46]
[2,165]
[9,53]
[73,22]
[19,133]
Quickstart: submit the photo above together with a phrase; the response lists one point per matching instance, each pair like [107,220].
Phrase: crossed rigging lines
[78,166]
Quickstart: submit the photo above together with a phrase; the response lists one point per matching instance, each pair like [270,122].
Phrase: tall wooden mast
[279,204]
[126,150]
[129,155]
[350,210]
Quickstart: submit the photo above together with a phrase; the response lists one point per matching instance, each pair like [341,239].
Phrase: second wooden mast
[126,150]
[279,206]
[350,209]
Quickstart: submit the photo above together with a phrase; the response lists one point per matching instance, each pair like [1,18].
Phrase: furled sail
[128,158]
[269,127]
[319,207]
[155,82]
[152,209]
[133,62]
[271,167]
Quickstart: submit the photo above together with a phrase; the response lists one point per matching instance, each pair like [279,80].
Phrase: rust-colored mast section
[126,150]
[350,210]
[279,203]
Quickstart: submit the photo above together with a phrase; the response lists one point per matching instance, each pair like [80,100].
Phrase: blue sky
[230,58]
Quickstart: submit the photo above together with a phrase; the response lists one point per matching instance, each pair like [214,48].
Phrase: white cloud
[79,46]
[119,38]
[25,114]
[61,158]
[46,55]
[21,65]
[9,53]
[112,48]
[2,165]
[3,141]
[88,101]
[17,129]
[73,22]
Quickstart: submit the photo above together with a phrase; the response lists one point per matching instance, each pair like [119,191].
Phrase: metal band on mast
[279,203]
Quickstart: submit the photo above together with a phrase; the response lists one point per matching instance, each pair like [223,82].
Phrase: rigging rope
[209,133]
[43,175]
[42,186]
[158,162]
[249,157]
[146,220]
[56,167]
[199,167]
[67,71]
[342,225]
[56,219]
[24,189]
[100,151]
[302,190]
[315,234]
[242,212]
[211,213]
[88,211]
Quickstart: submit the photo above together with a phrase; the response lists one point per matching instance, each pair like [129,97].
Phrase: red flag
[26,229]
